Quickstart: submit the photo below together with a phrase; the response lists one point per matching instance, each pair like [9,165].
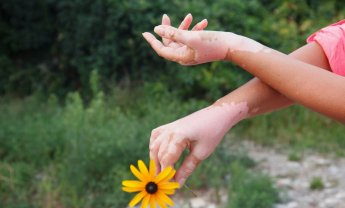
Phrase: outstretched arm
[309,85]
[261,97]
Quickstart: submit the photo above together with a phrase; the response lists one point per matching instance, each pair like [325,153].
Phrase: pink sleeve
[332,41]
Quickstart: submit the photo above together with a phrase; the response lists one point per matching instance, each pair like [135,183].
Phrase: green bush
[76,155]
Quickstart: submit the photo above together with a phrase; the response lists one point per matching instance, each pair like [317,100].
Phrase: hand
[185,24]
[188,47]
[199,132]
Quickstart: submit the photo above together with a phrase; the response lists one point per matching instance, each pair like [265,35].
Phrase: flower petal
[170,176]
[163,174]
[168,191]
[169,185]
[145,202]
[136,172]
[143,170]
[152,201]
[162,196]
[131,189]
[152,169]
[133,184]
[160,202]
[137,198]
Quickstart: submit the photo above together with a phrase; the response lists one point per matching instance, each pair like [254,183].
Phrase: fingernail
[165,15]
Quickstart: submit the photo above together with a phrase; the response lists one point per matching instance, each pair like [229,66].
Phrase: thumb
[169,32]
[187,168]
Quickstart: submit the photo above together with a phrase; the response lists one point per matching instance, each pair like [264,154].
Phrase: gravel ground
[292,178]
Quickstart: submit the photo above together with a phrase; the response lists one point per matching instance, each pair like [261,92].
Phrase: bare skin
[291,78]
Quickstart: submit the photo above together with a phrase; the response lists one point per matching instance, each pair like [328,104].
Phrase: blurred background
[81,90]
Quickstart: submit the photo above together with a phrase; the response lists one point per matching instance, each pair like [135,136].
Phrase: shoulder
[332,40]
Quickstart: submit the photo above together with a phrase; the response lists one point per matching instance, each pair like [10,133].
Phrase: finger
[172,33]
[166,21]
[154,148]
[154,134]
[166,52]
[154,157]
[186,22]
[174,151]
[152,40]
[187,168]
[201,25]
[162,150]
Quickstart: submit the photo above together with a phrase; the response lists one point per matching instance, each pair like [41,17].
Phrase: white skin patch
[214,45]
[172,149]
[209,126]
[241,43]
[255,110]
[198,47]
[200,131]
[267,50]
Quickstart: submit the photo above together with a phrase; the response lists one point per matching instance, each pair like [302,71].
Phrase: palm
[185,55]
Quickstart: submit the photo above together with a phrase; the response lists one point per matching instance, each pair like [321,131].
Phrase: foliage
[316,183]
[250,190]
[294,156]
[51,46]
[76,154]
[298,128]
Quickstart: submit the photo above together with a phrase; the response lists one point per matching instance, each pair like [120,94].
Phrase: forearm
[261,98]
[301,82]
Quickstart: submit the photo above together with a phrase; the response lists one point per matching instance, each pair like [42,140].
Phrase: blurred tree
[53,45]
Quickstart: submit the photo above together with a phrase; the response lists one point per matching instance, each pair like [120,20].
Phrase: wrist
[238,43]
[231,112]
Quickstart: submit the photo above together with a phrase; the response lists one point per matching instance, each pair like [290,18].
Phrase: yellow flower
[152,189]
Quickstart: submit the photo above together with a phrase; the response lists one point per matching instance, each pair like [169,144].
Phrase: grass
[316,183]
[294,156]
[298,129]
[250,190]
[76,155]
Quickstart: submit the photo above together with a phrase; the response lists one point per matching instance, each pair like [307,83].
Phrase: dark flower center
[151,187]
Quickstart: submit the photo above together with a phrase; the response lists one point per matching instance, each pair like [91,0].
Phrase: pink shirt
[332,41]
